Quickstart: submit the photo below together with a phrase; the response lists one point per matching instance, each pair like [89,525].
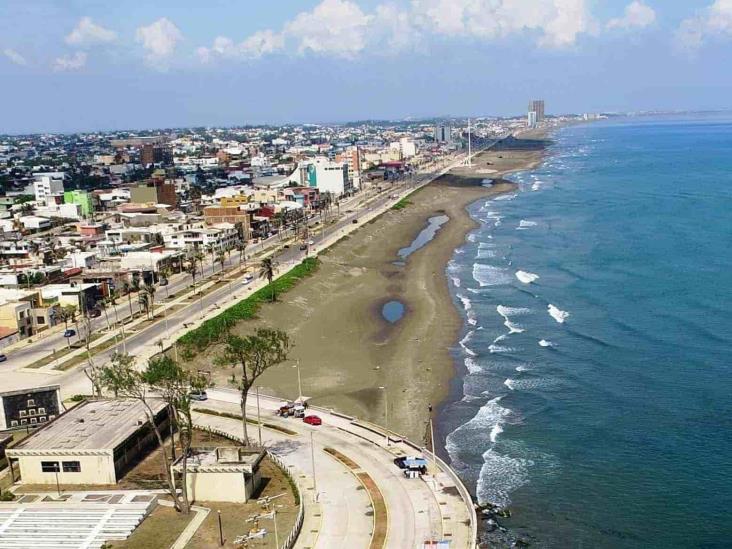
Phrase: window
[41,410]
[40,320]
[50,467]
[14,423]
[23,421]
[72,467]
[31,402]
[31,412]
[42,419]
[23,413]
[34,421]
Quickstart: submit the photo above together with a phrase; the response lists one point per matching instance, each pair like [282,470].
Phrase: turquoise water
[597,386]
[392,311]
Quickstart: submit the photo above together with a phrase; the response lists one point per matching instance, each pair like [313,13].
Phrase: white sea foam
[486,250]
[495,431]
[463,343]
[523,367]
[472,366]
[468,306]
[472,237]
[525,224]
[499,476]
[545,343]
[505,197]
[526,277]
[506,312]
[557,314]
[455,281]
[536,185]
[500,349]
[510,384]
[489,275]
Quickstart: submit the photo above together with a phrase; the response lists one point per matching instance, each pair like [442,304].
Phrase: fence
[295,530]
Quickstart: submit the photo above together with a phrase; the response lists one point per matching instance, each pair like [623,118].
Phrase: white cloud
[254,47]
[559,22]
[713,21]
[159,40]
[636,15]
[336,27]
[14,57]
[87,32]
[70,62]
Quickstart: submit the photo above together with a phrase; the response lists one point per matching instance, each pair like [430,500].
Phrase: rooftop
[92,425]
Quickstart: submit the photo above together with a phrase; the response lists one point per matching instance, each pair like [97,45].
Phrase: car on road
[286,246]
[312,420]
[354,221]
[248,279]
[69,333]
[311,242]
[198,395]
[163,282]
[3,358]
[95,313]
[303,246]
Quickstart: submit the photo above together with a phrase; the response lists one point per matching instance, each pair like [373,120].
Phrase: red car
[312,420]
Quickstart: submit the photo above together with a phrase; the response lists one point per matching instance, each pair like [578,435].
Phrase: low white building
[48,187]
[218,237]
[94,443]
[227,473]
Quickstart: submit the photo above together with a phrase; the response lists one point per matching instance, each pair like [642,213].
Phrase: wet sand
[346,349]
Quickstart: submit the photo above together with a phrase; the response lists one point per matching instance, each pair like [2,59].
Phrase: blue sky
[87,65]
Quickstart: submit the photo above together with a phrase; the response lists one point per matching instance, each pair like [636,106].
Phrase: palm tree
[241,247]
[192,270]
[267,270]
[221,258]
[127,287]
[198,256]
[149,291]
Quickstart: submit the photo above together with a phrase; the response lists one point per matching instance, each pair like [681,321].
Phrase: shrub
[213,329]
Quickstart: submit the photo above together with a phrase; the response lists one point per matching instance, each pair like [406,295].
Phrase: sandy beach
[345,347]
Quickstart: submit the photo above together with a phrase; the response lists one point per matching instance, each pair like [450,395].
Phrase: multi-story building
[352,157]
[155,191]
[221,237]
[531,119]
[48,187]
[213,215]
[155,154]
[537,106]
[324,175]
[83,199]
[443,133]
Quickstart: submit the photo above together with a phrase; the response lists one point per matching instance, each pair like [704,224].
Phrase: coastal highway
[417,510]
[38,347]
[189,313]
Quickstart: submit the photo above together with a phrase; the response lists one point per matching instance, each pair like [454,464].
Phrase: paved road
[145,341]
[418,509]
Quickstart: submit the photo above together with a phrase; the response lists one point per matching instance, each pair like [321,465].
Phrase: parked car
[311,242]
[303,246]
[286,409]
[198,395]
[94,313]
[312,420]
[248,279]
[411,463]
[3,358]
[354,221]
[286,246]
[163,282]
[69,333]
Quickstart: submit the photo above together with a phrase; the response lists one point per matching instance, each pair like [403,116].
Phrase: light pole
[312,459]
[386,413]
[259,419]
[299,379]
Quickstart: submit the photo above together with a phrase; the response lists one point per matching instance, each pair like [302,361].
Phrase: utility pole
[259,419]
[312,459]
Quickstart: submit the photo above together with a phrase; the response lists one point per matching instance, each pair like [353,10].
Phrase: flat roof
[92,425]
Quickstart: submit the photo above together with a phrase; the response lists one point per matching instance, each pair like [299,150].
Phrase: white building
[48,186]
[324,175]
[406,147]
[443,133]
[218,237]
[531,119]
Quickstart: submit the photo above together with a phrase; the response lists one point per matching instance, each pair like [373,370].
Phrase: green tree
[123,380]
[221,260]
[253,354]
[267,270]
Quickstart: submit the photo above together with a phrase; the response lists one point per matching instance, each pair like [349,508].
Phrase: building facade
[537,106]
[82,199]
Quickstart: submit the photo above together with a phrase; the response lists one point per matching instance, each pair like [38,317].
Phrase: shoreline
[350,357]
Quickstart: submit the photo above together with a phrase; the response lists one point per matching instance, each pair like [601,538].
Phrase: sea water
[597,388]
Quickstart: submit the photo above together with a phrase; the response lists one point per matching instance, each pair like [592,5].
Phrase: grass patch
[403,203]
[237,417]
[213,329]
[160,529]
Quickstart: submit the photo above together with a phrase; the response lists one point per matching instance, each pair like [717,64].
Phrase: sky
[87,65]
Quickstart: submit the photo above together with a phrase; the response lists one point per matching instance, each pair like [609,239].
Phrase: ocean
[597,389]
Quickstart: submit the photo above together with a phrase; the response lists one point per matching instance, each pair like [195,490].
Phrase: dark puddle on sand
[393,311]
[425,236]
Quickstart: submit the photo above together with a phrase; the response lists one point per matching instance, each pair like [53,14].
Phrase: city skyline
[103,66]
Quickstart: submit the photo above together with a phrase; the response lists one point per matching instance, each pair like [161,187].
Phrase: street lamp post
[386,413]
[259,419]
[299,379]
[312,459]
